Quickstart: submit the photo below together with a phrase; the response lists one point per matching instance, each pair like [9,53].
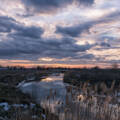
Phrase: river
[48,92]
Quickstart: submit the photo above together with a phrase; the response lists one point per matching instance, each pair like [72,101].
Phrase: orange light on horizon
[53,65]
[30,64]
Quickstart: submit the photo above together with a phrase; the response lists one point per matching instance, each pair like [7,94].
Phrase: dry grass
[79,105]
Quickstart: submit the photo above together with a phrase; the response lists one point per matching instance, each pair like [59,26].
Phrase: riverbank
[93,76]
[96,82]
[15,105]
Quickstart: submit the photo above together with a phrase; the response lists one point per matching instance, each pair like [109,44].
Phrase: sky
[60,32]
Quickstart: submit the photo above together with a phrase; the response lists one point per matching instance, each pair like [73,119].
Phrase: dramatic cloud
[32,32]
[27,41]
[86,2]
[77,30]
[105,44]
[48,6]
[8,25]
[74,31]
[19,46]
[60,31]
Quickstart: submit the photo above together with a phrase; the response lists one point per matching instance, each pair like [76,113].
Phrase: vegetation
[94,76]
[92,94]
[15,105]
[82,105]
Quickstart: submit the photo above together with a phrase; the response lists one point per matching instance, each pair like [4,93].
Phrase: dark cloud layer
[23,41]
[77,30]
[32,31]
[86,2]
[8,25]
[48,6]
[74,31]
[105,44]
[56,48]
[26,42]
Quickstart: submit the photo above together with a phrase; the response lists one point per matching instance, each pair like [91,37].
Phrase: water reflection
[44,91]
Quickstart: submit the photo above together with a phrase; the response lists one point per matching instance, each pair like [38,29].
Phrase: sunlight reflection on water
[41,90]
